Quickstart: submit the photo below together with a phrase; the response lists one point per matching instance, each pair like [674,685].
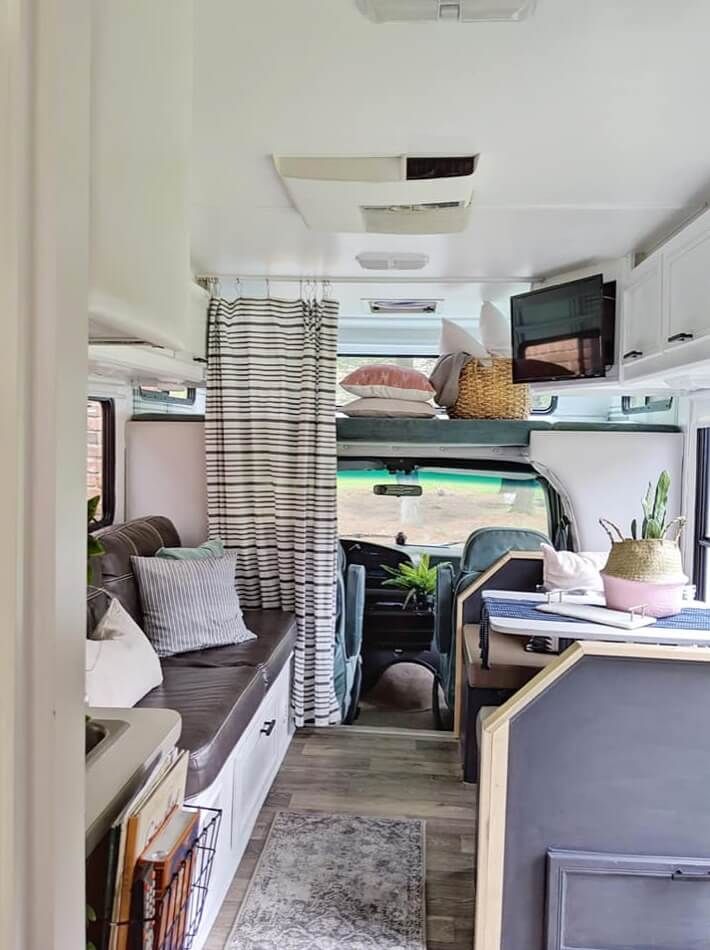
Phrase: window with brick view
[95,452]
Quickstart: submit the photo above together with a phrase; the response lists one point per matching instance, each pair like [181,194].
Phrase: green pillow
[213,548]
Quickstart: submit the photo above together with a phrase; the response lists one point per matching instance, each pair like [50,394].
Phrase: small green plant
[655,507]
[419,581]
[94,546]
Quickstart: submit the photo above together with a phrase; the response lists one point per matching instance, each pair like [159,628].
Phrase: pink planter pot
[660,600]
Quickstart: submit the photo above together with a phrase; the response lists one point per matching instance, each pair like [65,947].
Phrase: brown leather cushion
[143,537]
[276,638]
[216,706]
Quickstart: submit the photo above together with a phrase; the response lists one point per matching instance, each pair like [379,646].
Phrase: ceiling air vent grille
[457,11]
[426,169]
[429,217]
[403,260]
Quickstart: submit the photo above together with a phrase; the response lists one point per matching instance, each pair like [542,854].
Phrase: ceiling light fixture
[457,11]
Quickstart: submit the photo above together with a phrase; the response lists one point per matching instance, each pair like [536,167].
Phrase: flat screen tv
[564,332]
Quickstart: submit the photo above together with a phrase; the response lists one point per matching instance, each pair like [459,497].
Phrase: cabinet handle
[268,727]
[681,875]
[633,354]
[680,337]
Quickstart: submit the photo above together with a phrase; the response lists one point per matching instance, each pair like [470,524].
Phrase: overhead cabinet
[141,136]
[642,310]
[666,311]
[686,291]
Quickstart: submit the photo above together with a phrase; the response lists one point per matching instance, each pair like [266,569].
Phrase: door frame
[45,83]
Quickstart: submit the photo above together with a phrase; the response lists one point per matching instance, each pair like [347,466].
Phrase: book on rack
[140,825]
[167,864]
[116,847]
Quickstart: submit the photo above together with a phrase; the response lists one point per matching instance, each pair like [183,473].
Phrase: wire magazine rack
[177,912]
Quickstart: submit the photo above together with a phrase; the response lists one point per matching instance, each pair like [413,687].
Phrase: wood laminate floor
[340,771]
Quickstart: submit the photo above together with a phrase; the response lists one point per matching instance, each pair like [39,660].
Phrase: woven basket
[652,561]
[487,391]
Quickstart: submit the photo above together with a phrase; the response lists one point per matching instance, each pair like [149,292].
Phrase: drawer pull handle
[268,727]
[680,337]
[633,354]
[681,875]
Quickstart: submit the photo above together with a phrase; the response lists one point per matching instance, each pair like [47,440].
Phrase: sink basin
[100,734]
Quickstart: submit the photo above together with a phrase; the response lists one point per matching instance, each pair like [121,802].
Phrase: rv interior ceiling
[356,574]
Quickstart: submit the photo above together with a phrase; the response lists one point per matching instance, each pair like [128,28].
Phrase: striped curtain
[272,471]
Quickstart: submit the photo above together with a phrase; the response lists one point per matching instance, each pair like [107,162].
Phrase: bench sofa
[234,701]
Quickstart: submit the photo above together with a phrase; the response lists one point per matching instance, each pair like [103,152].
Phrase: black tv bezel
[608,296]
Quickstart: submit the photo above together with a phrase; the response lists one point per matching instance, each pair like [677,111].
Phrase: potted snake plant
[646,569]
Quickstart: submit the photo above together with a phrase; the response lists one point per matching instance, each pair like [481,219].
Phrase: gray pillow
[189,605]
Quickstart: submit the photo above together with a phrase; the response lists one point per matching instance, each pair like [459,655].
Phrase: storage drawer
[260,753]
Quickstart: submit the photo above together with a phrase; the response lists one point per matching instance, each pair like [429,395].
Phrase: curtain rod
[286,279]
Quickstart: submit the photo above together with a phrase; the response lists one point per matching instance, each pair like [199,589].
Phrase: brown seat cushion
[142,537]
[216,706]
[276,638]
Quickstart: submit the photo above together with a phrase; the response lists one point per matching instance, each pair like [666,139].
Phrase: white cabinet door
[686,284]
[642,312]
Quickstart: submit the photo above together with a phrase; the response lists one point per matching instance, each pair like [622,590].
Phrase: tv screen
[563,332]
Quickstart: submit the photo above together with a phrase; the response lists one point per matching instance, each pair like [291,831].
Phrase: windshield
[453,503]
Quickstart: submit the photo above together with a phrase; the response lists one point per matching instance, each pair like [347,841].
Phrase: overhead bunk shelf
[470,431]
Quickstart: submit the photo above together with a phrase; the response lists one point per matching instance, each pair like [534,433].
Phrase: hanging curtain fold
[272,471]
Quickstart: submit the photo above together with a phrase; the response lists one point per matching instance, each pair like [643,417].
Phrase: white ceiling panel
[589,119]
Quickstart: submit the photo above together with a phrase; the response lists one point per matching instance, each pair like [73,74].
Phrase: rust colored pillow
[385,381]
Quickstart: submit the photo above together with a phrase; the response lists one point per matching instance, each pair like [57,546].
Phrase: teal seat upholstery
[486,545]
[482,549]
[348,636]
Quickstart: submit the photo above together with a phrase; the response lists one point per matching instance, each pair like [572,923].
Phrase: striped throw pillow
[190,604]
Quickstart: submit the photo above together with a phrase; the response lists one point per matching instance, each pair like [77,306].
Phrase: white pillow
[454,339]
[376,406]
[565,570]
[495,331]
[121,664]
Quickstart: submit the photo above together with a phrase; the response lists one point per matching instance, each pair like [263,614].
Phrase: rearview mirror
[397,490]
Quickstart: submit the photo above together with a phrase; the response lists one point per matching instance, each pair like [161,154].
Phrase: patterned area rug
[336,882]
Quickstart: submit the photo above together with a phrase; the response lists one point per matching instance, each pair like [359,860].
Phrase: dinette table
[519,619]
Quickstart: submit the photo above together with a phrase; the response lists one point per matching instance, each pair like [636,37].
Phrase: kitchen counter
[115,769]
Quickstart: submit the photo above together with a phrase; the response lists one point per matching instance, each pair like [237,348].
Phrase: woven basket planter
[653,560]
[644,574]
[487,391]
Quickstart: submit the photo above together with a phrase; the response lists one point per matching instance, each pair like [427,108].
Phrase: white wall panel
[165,475]
[605,474]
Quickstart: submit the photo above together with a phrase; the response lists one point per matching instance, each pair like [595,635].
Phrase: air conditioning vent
[426,169]
[396,194]
[403,306]
[457,11]
[397,261]
[429,217]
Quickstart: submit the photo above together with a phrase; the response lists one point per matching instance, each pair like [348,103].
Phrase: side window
[637,405]
[100,458]
[544,405]
[153,401]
